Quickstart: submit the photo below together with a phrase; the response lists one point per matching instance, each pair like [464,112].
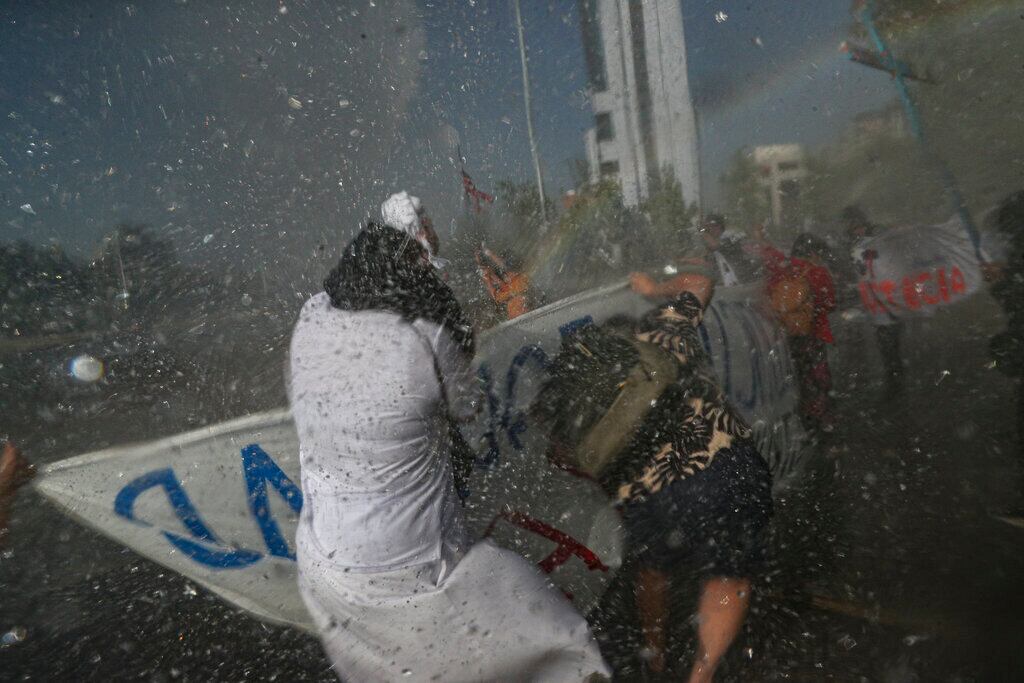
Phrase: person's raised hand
[642,284]
[701,286]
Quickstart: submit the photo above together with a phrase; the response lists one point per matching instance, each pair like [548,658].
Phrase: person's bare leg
[652,603]
[723,606]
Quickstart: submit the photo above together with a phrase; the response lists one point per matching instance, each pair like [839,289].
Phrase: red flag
[473,193]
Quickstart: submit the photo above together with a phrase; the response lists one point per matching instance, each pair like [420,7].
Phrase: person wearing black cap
[726,252]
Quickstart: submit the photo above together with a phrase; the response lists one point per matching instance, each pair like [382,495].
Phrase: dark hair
[807,244]
[385,269]
[853,216]
[715,219]
[1010,215]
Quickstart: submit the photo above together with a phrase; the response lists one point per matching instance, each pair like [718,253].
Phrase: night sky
[274,128]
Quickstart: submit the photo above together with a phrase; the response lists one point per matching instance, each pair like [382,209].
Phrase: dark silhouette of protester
[1007,347]
[15,472]
[379,369]
[889,329]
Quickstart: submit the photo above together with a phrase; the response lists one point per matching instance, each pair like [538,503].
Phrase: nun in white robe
[397,589]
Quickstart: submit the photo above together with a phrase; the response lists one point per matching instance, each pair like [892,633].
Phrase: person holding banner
[727,252]
[380,369]
[695,491]
[888,327]
[634,405]
[802,295]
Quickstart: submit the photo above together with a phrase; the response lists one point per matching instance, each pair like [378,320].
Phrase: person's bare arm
[15,471]
[700,286]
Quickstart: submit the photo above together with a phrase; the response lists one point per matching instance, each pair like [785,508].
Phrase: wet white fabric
[373,438]
[401,211]
[385,567]
[492,617]
[725,271]
[912,271]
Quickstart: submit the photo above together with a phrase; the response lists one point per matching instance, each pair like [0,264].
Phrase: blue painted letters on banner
[207,549]
[204,547]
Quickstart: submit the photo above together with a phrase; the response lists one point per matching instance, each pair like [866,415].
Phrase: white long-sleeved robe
[386,569]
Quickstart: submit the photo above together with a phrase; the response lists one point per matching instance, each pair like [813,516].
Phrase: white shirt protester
[386,568]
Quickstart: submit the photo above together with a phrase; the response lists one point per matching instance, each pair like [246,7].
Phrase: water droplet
[13,637]
[86,368]
[966,431]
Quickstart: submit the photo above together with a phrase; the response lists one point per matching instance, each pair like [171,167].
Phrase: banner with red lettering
[915,270]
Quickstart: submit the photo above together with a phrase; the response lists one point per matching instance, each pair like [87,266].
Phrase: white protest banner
[220,505]
[913,271]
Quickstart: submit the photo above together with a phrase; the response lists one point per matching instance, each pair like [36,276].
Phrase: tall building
[782,172]
[644,120]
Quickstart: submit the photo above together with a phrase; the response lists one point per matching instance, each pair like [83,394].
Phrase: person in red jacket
[802,293]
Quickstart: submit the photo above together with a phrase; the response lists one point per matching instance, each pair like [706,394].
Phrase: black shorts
[712,522]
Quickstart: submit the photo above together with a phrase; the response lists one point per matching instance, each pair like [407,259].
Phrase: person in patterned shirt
[694,491]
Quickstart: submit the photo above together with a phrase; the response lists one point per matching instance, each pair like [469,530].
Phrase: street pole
[898,71]
[120,264]
[529,118]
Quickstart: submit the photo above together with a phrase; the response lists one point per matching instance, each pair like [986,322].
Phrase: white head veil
[402,212]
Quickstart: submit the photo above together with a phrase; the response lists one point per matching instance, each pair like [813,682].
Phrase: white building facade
[782,171]
[644,119]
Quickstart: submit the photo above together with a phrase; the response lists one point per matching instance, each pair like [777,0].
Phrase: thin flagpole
[529,118]
[866,16]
